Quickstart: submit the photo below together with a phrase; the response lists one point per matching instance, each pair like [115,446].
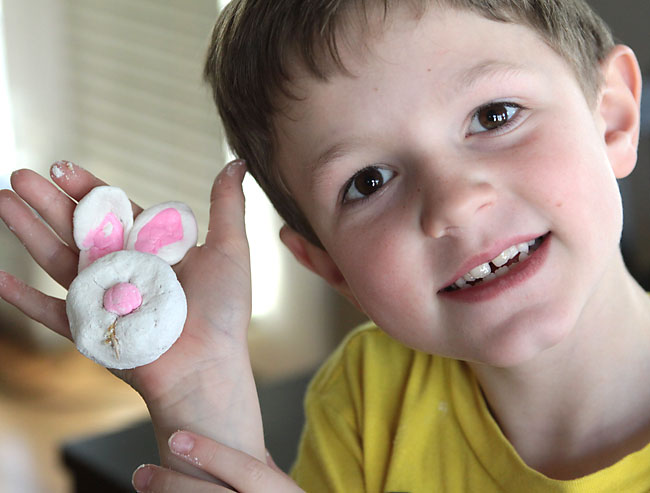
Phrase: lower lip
[518,274]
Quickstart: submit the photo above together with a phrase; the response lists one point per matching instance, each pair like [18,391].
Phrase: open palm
[204,380]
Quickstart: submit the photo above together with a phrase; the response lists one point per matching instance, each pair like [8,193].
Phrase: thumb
[226,221]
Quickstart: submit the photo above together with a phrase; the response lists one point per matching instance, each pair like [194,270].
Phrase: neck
[583,404]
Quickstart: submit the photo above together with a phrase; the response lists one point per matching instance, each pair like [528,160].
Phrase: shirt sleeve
[330,457]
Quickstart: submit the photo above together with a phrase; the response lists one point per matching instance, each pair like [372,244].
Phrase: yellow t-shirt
[385,418]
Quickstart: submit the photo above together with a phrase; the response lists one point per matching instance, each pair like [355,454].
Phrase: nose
[451,206]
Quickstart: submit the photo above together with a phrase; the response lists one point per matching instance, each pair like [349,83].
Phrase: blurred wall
[35,50]
[629,20]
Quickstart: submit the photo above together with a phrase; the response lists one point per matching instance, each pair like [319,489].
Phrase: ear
[167,230]
[619,107]
[317,260]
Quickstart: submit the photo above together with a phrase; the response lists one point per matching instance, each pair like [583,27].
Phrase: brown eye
[366,182]
[493,116]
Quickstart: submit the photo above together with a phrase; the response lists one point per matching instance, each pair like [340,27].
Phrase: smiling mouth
[498,266]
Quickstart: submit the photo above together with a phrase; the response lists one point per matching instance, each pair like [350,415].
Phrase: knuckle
[255,470]
[209,457]
[54,254]
[161,481]
[231,247]
[60,263]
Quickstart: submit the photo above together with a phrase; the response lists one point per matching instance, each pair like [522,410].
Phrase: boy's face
[457,138]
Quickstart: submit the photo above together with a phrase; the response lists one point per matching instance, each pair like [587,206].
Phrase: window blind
[143,118]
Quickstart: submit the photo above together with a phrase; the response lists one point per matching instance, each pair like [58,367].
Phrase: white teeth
[484,271]
[500,260]
[504,256]
[480,271]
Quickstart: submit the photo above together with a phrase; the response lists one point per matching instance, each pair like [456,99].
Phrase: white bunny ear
[167,230]
[101,222]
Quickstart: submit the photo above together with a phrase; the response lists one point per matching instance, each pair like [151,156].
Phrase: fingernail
[142,477]
[237,162]
[181,443]
[232,167]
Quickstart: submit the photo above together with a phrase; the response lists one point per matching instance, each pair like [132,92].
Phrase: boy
[451,168]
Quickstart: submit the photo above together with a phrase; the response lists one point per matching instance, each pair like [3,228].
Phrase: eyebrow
[331,154]
[321,164]
[469,77]
[465,79]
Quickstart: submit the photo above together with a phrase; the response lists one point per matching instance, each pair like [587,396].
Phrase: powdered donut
[113,327]
[167,230]
[101,223]
[126,307]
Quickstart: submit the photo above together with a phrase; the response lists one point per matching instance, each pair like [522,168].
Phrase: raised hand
[242,472]
[204,383]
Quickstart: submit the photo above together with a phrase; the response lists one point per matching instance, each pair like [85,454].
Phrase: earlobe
[316,260]
[619,107]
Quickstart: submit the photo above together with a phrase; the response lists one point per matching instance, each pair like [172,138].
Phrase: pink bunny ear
[167,230]
[101,222]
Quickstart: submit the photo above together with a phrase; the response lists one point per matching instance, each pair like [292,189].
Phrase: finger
[245,473]
[150,478]
[54,206]
[271,463]
[227,205]
[77,182]
[59,261]
[36,305]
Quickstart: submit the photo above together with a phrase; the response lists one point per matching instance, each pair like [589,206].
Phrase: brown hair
[256,44]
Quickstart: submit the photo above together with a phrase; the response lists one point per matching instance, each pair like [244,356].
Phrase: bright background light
[262,226]
[7,137]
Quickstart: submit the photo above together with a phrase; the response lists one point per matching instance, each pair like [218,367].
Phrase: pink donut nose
[122,299]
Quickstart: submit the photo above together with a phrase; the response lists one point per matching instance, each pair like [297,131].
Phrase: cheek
[571,176]
[372,267]
[388,276]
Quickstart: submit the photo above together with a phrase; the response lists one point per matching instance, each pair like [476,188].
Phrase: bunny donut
[126,307]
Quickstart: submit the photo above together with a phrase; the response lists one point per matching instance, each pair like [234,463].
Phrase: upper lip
[487,255]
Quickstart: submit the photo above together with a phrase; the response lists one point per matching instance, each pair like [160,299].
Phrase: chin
[522,343]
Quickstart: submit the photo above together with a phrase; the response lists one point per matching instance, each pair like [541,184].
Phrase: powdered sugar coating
[57,171]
